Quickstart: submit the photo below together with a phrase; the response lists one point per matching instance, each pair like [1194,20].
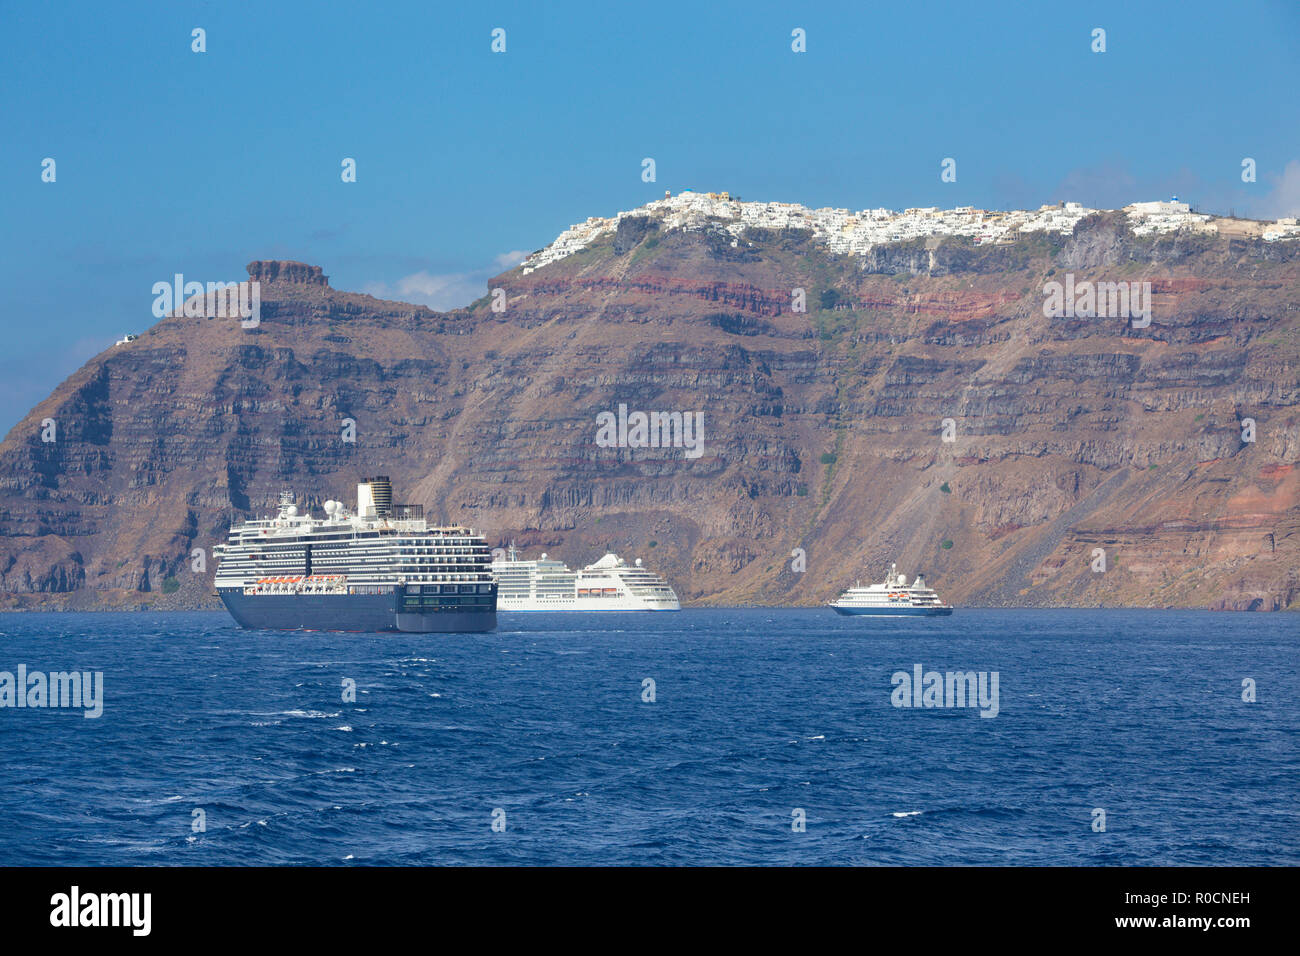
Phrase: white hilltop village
[856,233]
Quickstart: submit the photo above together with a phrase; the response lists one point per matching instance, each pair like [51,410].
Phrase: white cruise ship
[382,568]
[893,598]
[611,584]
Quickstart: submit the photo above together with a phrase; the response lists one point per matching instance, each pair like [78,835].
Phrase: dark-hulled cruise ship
[380,568]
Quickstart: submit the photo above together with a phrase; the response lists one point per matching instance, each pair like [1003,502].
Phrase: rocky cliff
[823,430]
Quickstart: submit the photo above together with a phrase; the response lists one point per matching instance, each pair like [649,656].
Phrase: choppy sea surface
[759,718]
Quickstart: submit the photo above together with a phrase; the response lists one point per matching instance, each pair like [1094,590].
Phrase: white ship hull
[902,611]
[615,604]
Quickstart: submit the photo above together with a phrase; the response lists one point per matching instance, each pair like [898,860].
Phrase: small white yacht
[894,598]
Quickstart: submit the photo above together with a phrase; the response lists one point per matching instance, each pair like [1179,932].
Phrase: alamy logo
[1092,300]
[63,689]
[923,688]
[651,430]
[216,300]
[75,908]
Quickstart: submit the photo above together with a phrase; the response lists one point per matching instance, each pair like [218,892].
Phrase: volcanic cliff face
[823,431]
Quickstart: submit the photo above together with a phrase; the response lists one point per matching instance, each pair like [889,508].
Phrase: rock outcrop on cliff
[823,430]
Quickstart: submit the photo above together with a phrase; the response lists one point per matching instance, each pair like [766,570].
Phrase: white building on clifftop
[857,233]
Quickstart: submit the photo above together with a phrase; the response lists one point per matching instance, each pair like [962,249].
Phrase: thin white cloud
[508,260]
[1284,199]
[1110,185]
[447,290]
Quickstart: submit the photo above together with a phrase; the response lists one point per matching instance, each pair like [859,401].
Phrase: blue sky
[174,161]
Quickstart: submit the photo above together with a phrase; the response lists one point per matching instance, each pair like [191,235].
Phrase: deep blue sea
[757,714]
